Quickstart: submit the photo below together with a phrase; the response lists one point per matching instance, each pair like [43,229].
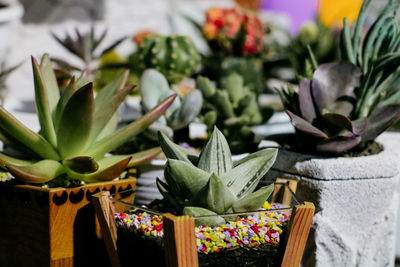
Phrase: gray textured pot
[356,203]
[146,188]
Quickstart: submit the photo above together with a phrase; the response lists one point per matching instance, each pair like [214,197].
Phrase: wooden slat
[105,214]
[282,193]
[180,241]
[298,230]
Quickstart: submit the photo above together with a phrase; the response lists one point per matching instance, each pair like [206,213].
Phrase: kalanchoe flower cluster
[233,31]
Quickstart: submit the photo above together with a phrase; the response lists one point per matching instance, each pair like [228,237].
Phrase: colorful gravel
[264,227]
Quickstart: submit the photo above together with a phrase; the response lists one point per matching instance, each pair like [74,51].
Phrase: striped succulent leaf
[213,184]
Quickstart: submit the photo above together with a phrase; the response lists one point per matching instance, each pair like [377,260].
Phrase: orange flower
[214,14]
[210,31]
[139,37]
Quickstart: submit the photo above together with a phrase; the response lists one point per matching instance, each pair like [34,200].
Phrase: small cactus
[175,56]
[154,88]
[234,109]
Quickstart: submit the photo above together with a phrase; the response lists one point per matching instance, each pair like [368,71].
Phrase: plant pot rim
[12,11]
[378,166]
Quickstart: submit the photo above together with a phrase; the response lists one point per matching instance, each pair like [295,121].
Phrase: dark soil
[288,142]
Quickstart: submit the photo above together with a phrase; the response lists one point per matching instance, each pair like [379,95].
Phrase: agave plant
[77,131]
[85,46]
[211,183]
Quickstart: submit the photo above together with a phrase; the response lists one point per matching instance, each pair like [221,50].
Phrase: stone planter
[53,227]
[8,14]
[356,203]
[146,188]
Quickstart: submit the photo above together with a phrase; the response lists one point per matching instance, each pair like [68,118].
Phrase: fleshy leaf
[64,98]
[39,172]
[216,156]
[143,156]
[207,217]
[43,106]
[306,102]
[109,169]
[254,200]
[332,81]
[105,94]
[7,160]
[164,190]
[10,125]
[304,126]
[184,178]
[50,82]
[174,151]
[82,164]
[381,119]
[216,196]
[102,116]
[76,123]
[339,120]
[338,144]
[107,144]
[190,108]
[360,125]
[245,177]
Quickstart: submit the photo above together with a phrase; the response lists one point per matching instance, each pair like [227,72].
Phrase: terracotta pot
[53,227]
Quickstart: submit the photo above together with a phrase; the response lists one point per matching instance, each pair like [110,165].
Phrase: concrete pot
[12,12]
[356,203]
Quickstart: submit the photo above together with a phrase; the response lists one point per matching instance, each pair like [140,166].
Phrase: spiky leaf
[76,123]
[50,82]
[245,177]
[204,216]
[253,201]
[174,151]
[39,172]
[216,156]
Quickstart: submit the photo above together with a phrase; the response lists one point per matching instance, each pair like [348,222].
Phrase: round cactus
[175,56]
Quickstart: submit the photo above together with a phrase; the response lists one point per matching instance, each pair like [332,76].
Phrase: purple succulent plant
[321,110]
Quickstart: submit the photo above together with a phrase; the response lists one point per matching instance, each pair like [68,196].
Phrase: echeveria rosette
[211,184]
[322,110]
[153,88]
[77,131]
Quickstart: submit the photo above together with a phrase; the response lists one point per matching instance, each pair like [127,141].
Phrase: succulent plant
[77,130]
[321,110]
[154,88]
[175,56]
[211,183]
[377,54]
[85,46]
[234,109]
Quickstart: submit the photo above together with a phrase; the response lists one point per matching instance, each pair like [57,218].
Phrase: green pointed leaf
[34,141]
[164,190]
[253,201]
[39,172]
[185,179]
[172,150]
[76,123]
[204,216]
[106,93]
[126,133]
[50,82]
[110,127]
[216,156]
[42,105]
[244,178]
[82,80]
[7,160]
[143,156]
[216,196]
[82,164]
[109,169]
[103,116]
[64,98]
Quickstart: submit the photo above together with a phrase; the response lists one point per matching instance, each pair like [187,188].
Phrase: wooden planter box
[52,227]
[179,231]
